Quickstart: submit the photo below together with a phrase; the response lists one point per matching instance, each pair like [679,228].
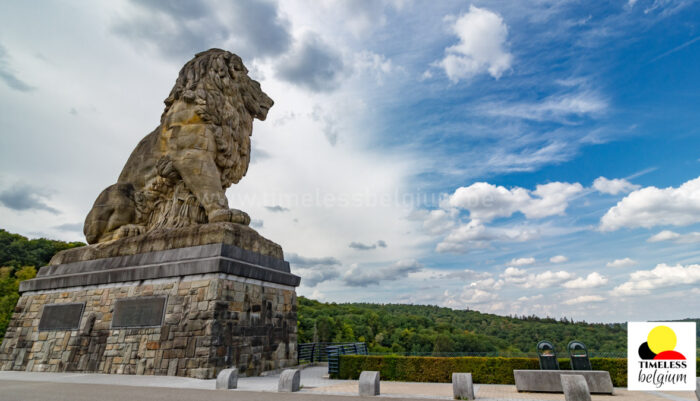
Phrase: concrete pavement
[45,391]
[89,386]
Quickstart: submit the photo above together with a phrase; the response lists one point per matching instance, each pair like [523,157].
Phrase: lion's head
[217,85]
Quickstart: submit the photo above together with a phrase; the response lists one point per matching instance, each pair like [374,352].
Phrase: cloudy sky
[515,157]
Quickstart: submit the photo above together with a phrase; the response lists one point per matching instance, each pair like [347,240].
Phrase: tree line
[20,258]
[425,330]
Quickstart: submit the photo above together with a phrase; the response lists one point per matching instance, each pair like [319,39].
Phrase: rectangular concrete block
[290,381]
[697,388]
[575,388]
[369,383]
[549,381]
[462,386]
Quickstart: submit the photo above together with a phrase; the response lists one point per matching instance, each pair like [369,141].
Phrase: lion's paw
[230,216]
[129,230]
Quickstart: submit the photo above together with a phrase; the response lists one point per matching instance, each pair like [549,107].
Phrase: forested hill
[20,258]
[431,329]
[17,251]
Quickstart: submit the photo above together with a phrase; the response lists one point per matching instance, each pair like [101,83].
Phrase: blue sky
[533,157]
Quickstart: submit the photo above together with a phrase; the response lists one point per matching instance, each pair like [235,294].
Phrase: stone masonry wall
[211,322]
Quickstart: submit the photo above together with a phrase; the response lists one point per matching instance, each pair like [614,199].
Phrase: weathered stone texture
[178,174]
[239,235]
[210,324]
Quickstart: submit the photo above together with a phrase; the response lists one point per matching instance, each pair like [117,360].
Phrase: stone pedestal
[190,311]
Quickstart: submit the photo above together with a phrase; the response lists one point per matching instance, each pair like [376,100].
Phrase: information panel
[61,316]
[139,312]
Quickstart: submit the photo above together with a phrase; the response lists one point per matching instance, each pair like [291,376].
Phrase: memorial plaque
[61,316]
[139,312]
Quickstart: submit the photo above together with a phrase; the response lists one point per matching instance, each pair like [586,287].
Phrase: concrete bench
[549,381]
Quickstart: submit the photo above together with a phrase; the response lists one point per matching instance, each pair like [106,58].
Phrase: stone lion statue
[178,174]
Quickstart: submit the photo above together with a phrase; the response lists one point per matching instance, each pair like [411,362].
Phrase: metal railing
[496,354]
[329,352]
[335,351]
[312,352]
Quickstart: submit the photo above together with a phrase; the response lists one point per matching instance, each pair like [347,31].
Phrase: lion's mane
[216,82]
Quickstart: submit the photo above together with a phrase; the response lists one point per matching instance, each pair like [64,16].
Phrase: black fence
[312,352]
[335,351]
[496,354]
[329,352]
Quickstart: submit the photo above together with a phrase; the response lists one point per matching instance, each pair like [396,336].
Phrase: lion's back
[141,165]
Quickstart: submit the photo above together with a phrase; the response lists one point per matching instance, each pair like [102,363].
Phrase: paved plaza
[315,386]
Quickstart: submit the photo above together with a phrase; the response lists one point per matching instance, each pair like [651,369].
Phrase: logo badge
[661,356]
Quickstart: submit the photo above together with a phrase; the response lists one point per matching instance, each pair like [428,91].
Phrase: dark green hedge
[486,370]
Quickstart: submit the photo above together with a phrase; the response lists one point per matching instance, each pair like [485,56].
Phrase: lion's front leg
[230,215]
[128,230]
[198,169]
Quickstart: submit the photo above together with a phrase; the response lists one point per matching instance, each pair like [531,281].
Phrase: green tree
[345,334]
[17,251]
[443,343]
[9,292]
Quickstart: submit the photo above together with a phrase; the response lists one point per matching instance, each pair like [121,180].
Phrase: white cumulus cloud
[486,202]
[475,235]
[439,221]
[521,278]
[482,46]
[468,297]
[488,283]
[584,299]
[663,275]
[522,261]
[531,298]
[665,235]
[668,235]
[651,206]
[591,281]
[559,259]
[614,186]
[625,262]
